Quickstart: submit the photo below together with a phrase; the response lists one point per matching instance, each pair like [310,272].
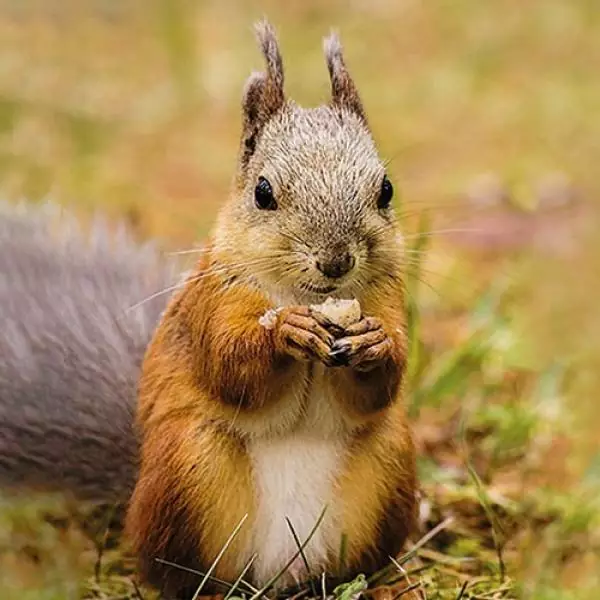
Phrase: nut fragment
[269,319]
[341,312]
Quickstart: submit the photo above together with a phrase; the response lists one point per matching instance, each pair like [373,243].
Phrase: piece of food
[269,319]
[340,312]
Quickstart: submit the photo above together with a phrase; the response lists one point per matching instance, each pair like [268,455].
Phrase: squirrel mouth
[315,289]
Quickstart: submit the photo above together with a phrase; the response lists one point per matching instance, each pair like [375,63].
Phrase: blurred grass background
[489,114]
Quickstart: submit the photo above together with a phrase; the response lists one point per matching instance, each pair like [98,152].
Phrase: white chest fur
[294,477]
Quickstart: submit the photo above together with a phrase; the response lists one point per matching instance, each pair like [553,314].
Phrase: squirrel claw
[366,345]
[340,353]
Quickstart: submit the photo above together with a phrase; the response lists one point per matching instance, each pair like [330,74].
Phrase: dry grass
[132,108]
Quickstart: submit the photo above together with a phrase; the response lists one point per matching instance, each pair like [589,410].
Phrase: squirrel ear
[263,93]
[343,89]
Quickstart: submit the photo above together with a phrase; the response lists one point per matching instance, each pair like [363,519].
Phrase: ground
[488,115]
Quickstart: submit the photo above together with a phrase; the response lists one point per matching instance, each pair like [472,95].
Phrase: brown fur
[211,362]
[263,95]
[214,379]
[343,90]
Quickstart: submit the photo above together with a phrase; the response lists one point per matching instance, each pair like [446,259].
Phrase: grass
[133,110]
[483,514]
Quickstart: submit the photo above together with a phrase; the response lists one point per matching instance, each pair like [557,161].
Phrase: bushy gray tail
[71,349]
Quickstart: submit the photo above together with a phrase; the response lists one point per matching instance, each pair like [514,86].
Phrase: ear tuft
[263,93]
[343,90]
[267,39]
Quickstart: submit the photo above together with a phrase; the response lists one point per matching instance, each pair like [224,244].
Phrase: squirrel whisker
[202,250]
[211,271]
[433,232]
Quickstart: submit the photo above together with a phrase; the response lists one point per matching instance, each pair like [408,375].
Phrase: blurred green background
[489,113]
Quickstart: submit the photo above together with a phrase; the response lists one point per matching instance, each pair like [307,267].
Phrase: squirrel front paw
[302,337]
[364,346]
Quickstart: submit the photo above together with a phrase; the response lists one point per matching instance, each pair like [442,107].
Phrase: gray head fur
[326,176]
[264,91]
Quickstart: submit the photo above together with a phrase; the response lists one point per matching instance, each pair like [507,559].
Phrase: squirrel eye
[263,195]
[386,193]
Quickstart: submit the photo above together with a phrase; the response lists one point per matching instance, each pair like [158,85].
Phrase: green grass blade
[497,530]
[412,552]
[240,577]
[276,577]
[303,555]
[463,589]
[219,556]
[212,578]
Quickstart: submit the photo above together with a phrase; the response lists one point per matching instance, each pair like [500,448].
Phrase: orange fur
[212,365]
[231,412]
[365,393]
[379,481]
[194,485]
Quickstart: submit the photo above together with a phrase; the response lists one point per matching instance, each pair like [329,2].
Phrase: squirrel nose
[336,266]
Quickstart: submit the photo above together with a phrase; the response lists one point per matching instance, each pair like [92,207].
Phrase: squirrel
[256,413]
[275,422]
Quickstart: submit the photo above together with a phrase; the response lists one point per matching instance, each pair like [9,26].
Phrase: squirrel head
[311,211]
